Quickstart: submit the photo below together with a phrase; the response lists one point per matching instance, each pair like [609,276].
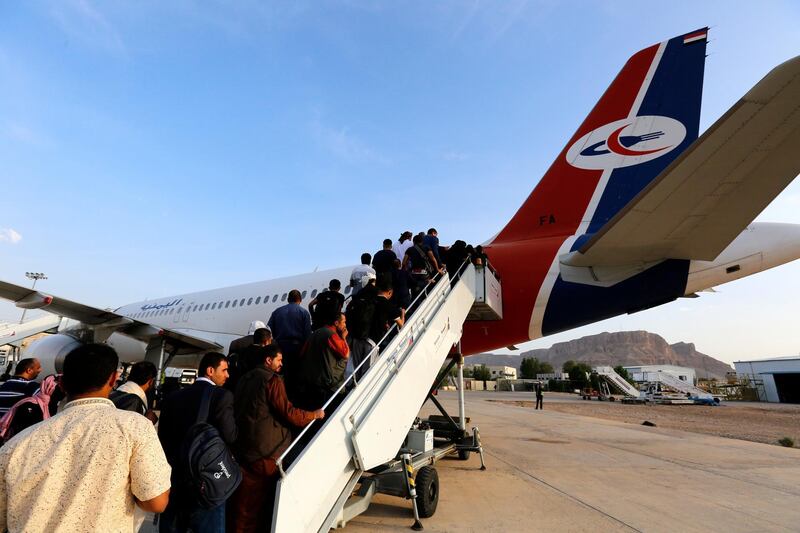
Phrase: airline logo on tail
[626,142]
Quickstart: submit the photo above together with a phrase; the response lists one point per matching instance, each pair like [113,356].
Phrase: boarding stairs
[674,382]
[610,375]
[369,426]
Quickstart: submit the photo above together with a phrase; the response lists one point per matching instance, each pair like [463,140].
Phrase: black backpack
[359,313]
[328,304]
[127,401]
[209,467]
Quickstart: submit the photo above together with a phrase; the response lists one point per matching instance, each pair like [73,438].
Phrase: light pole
[35,276]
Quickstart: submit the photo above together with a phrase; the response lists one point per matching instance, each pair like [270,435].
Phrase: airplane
[637,210]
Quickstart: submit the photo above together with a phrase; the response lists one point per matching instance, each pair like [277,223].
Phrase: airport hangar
[780,376]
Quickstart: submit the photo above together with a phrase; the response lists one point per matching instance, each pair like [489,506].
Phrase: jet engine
[51,350]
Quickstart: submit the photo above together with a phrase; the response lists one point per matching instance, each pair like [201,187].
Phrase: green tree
[567,366]
[619,369]
[467,371]
[481,373]
[531,366]
[578,373]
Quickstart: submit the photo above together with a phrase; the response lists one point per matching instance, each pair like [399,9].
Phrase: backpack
[127,401]
[209,467]
[421,261]
[359,313]
[328,304]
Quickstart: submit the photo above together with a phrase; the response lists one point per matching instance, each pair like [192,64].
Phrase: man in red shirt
[323,362]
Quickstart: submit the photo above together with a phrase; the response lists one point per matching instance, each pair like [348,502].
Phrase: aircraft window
[258,300]
[348,289]
[219,306]
[304,294]
[227,304]
[275,298]
[213,306]
[160,313]
[250,301]
[242,302]
[314,293]
[171,310]
[283,297]
[179,310]
[235,302]
[195,309]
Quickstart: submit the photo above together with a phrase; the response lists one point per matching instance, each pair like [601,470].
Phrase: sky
[155,148]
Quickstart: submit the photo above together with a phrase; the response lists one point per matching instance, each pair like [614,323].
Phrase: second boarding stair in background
[371,423]
[610,375]
[674,382]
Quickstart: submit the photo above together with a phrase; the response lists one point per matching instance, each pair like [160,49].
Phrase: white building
[639,373]
[780,376]
[498,372]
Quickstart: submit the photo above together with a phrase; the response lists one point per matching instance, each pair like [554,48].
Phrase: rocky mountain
[626,348]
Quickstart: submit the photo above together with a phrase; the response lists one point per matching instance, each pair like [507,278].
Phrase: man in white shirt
[402,245]
[87,467]
[362,274]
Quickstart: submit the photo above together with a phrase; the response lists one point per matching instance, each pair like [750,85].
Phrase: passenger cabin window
[258,300]
[242,302]
[213,306]
[314,293]
[275,298]
[304,295]
[348,289]
[171,310]
[235,302]
[227,304]
[283,297]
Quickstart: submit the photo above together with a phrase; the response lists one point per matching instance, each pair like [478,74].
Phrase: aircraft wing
[712,191]
[14,333]
[104,320]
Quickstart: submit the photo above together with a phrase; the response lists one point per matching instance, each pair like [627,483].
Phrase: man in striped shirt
[21,385]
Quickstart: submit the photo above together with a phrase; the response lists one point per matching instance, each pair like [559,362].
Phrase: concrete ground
[564,472]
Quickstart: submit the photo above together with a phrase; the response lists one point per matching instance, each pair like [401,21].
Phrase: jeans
[177,519]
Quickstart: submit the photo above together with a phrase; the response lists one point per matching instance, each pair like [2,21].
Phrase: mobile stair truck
[359,450]
[609,375]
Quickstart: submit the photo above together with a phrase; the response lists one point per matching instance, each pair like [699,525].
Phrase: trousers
[254,498]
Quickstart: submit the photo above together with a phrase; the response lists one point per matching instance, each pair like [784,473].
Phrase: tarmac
[562,472]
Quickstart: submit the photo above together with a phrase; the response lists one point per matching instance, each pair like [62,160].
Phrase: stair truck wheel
[463,455]
[427,484]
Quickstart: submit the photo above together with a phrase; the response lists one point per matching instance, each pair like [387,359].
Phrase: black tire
[427,483]
[463,455]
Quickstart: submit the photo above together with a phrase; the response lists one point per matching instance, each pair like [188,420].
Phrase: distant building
[639,374]
[558,376]
[780,376]
[498,372]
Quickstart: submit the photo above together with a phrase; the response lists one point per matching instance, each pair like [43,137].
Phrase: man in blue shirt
[431,240]
[21,385]
[291,327]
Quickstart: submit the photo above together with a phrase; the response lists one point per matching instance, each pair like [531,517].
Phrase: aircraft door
[187,311]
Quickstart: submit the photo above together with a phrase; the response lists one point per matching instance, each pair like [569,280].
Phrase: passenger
[21,385]
[401,281]
[326,305]
[291,327]
[539,395]
[402,244]
[237,345]
[29,411]
[431,240]
[324,360]
[385,316]
[359,324]
[87,468]
[178,414]
[383,262]
[421,263]
[243,361]
[362,274]
[479,257]
[456,255]
[132,395]
[265,418]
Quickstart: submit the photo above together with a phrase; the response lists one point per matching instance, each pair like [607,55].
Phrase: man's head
[387,244]
[405,236]
[366,258]
[28,368]
[418,238]
[273,358]
[433,233]
[143,374]
[295,297]
[385,288]
[262,336]
[90,370]
[214,366]
[340,324]
[335,285]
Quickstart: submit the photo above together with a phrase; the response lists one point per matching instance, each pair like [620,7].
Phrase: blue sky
[154,148]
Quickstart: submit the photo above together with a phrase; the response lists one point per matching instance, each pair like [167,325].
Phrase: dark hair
[366,258]
[271,351]
[384,285]
[387,242]
[295,296]
[25,365]
[210,360]
[88,367]
[333,318]
[418,238]
[432,231]
[335,285]
[260,335]
[142,372]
